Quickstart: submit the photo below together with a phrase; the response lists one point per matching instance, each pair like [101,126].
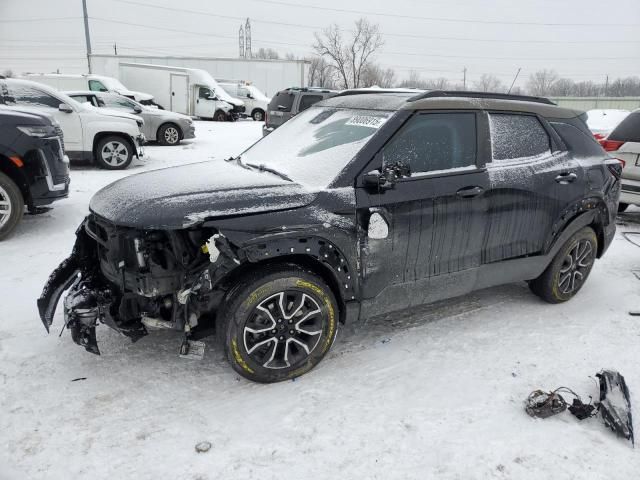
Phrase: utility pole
[115,48]
[464,78]
[247,40]
[241,41]
[514,79]
[86,33]
[606,86]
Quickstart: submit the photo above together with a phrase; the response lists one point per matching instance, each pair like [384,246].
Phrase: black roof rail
[309,89]
[363,91]
[491,95]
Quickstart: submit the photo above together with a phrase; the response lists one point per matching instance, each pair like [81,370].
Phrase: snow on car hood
[112,112]
[178,197]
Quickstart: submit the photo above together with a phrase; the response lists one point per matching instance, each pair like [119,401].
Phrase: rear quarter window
[307,100]
[578,142]
[517,136]
[628,130]
[283,101]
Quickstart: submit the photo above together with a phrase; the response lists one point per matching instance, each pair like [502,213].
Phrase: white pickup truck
[107,137]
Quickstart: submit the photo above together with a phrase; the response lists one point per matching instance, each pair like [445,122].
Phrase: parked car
[255,101]
[190,91]
[624,143]
[34,170]
[110,139]
[601,122]
[95,83]
[164,126]
[363,204]
[289,102]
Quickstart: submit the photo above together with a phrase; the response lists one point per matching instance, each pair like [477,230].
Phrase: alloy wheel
[115,153]
[5,207]
[283,329]
[575,267]
[171,135]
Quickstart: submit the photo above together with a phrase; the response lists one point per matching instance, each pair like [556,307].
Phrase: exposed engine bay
[132,279]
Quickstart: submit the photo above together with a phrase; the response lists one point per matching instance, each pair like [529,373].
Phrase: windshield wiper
[263,168]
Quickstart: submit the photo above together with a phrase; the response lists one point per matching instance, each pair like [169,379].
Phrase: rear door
[179,93]
[437,217]
[532,182]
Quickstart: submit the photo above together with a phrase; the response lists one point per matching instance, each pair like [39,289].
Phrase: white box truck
[190,91]
[95,83]
[254,100]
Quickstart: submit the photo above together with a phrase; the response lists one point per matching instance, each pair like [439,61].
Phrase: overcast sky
[438,38]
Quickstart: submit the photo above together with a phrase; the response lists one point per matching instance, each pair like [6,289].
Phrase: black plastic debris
[203,447]
[614,405]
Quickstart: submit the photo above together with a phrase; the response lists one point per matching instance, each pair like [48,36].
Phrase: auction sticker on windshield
[370,121]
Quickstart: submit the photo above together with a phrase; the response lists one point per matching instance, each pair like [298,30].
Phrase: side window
[433,142]
[307,100]
[204,92]
[27,95]
[517,136]
[243,92]
[119,102]
[96,86]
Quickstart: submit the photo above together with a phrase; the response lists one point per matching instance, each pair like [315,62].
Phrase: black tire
[169,134]
[258,115]
[622,207]
[570,268]
[246,325]
[116,148]
[10,201]
[220,116]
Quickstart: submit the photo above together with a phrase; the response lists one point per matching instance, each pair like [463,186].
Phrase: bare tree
[320,74]
[587,89]
[489,83]
[540,82]
[349,57]
[290,56]
[375,75]
[266,54]
[563,87]
[414,80]
[436,84]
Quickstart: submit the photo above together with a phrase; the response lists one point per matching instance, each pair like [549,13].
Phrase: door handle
[470,192]
[565,178]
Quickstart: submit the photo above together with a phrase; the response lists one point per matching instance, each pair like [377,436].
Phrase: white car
[109,138]
[624,144]
[254,100]
[95,83]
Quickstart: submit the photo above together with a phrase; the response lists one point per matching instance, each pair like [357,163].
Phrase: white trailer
[190,91]
[269,76]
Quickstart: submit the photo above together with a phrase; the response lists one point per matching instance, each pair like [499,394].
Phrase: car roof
[402,99]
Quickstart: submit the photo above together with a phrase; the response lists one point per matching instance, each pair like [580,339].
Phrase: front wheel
[114,153]
[258,115]
[566,274]
[11,205]
[169,134]
[220,116]
[278,324]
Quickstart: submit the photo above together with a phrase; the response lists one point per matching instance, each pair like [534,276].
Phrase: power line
[400,35]
[444,19]
[27,20]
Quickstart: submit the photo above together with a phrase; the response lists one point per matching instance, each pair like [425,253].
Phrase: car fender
[93,126]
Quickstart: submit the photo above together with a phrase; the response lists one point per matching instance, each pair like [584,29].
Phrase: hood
[178,197]
[156,112]
[141,96]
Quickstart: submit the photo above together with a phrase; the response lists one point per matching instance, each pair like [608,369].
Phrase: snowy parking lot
[433,392]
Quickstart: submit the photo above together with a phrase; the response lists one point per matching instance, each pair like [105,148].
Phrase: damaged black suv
[365,203]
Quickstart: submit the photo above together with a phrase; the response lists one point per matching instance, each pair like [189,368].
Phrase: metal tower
[247,39]
[241,41]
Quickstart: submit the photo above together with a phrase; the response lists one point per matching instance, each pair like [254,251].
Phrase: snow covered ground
[434,392]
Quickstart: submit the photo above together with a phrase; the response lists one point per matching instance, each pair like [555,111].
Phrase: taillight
[610,145]
[598,136]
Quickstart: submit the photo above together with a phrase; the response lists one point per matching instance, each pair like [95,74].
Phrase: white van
[190,91]
[254,100]
[96,83]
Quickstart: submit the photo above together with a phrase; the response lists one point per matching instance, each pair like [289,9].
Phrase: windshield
[313,147]
[113,84]
[257,94]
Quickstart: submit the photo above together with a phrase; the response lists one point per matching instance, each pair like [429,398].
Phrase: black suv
[33,168]
[289,102]
[363,204]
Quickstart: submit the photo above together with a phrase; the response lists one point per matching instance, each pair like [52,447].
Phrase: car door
[532,182]
[205,103]
[435,219]
[69,120]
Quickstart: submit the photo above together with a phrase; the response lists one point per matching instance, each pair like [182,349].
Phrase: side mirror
[378,180]
[212,97]
[137,109]
[63,107]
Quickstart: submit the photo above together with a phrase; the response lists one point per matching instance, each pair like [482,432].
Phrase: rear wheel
[114,153]
[278,324]
[568,271]
[622,207]
[169,134]
[258,115]
[11,205]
